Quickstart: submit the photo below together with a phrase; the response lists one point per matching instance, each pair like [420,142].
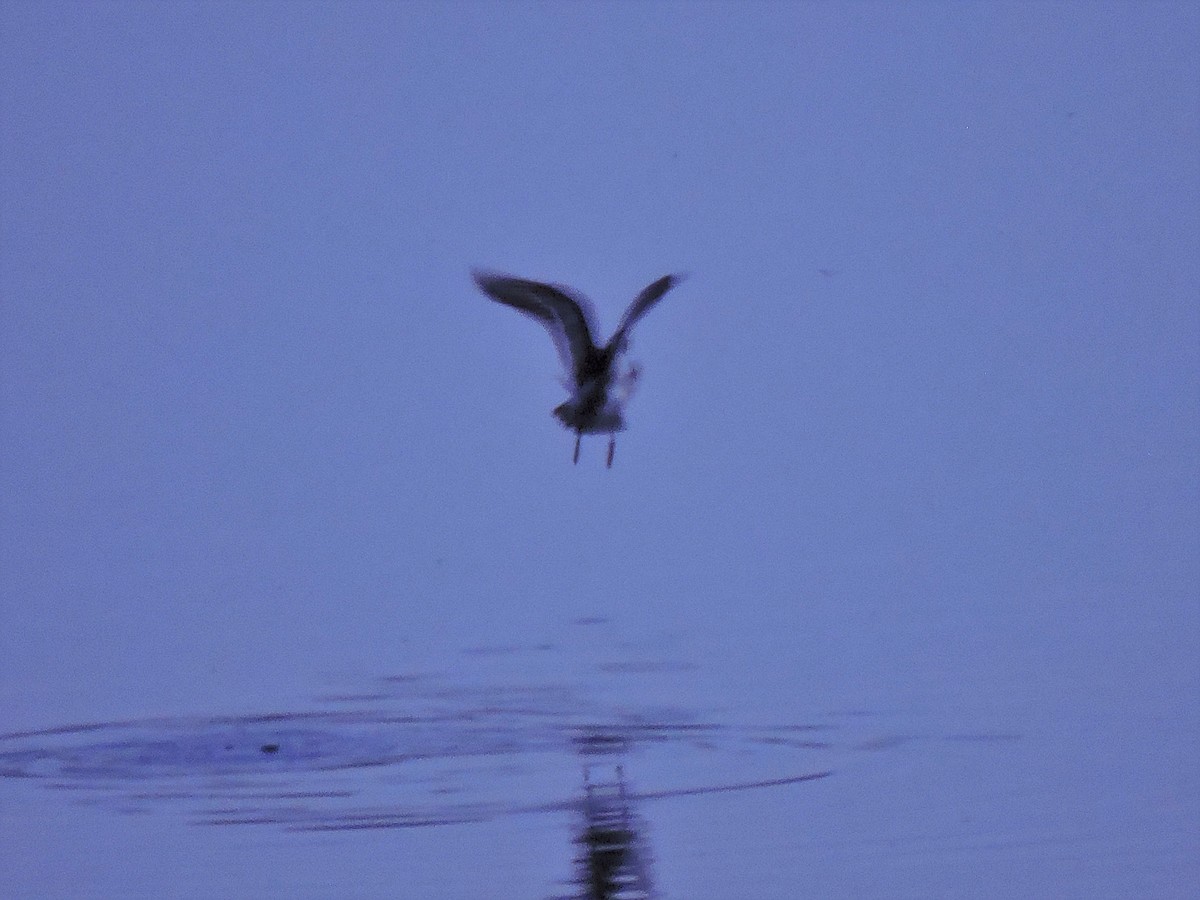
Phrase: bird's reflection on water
[613,860]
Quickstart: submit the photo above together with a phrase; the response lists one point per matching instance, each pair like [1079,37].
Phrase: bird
[598,389]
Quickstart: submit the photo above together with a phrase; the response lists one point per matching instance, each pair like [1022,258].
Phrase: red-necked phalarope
[598,391]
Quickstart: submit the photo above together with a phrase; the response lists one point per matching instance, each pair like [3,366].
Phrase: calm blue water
[490,755]
[362,790]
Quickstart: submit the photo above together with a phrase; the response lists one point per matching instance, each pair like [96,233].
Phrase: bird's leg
[578,434]
[612,447]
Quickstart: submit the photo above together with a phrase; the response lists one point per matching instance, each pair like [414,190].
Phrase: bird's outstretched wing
[650,295]
[565,314]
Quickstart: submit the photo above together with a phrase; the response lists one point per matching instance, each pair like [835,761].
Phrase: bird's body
[598,390]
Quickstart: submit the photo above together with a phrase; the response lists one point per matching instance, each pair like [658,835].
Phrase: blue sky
[918,434]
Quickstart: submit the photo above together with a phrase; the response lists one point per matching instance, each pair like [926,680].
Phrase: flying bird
[598,390]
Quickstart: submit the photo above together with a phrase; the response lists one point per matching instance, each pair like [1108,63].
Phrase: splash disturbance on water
[421,750]
[413,752]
